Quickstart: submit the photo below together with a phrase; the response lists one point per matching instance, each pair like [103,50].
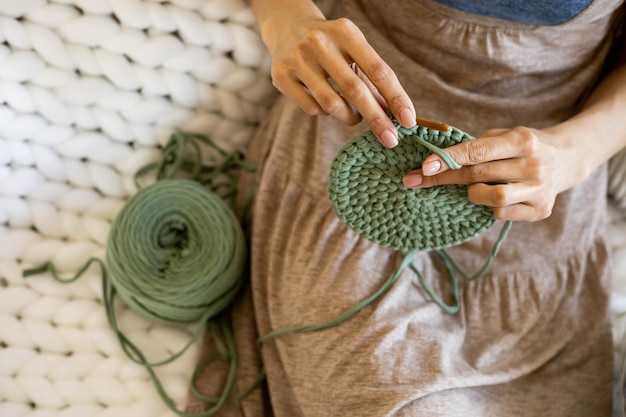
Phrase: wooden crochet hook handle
[431,124]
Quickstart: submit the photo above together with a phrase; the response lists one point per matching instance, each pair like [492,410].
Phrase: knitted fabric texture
[368,195]
[90,92]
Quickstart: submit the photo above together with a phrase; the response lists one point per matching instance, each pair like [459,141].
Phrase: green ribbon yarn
[176,251]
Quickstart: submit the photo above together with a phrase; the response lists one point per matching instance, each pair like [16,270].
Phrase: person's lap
[526,331]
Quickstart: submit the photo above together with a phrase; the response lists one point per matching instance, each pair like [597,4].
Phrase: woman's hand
[328,67]
[518,172]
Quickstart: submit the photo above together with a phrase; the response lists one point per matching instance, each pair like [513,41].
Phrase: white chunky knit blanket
[89,91]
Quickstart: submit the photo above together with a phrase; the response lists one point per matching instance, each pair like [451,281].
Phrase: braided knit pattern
[367,193]
[90,91]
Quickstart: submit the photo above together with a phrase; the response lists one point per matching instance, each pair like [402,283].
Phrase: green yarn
[175,251]
[367,193]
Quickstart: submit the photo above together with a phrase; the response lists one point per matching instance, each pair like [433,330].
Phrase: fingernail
[389,138]
[407,117]
[431,167]
[412,180]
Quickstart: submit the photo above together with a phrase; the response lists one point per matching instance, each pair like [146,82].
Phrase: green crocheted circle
[367,193]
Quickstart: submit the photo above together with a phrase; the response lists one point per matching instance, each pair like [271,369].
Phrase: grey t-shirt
[531,12]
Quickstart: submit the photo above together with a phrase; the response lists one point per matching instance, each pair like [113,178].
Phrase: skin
[327,68]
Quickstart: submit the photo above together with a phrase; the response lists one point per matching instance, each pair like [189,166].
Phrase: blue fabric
[531,12]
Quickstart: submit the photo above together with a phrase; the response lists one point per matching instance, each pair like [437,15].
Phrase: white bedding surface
[89,90]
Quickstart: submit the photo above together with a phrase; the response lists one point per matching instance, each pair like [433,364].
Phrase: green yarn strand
[451,309]
[345,315]
[454,266]
[220,178]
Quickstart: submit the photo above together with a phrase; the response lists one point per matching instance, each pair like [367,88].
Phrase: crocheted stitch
[367,193]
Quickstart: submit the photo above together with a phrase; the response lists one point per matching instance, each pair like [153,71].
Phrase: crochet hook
[431,124]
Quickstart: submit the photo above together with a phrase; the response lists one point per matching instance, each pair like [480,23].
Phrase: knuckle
[353,88]
[474,173]
[500,213]
[499,197]
[330,103]
[314,37]
[279,73]
[399,101]
[379,71]
[344,26]
[377,124]
[536,169]
[312,110]
[527,140]
[353,119]
[477,151]
[277,83]
[433,181]
[543,210]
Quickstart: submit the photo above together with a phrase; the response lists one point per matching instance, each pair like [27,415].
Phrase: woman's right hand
[328,67]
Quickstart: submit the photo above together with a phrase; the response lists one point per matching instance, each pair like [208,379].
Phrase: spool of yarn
[176,252]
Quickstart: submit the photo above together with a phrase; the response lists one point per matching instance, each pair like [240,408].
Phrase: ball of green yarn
[176,252]
[367,193]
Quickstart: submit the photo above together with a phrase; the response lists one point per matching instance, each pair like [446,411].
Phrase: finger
[379,98]
[358,50]
[360,96]
[385,81]
[512,143]
[521,212]
[513,201]
[511,170]
[329,99]
[307,71]
[500,195]
[300,94]
[290,86]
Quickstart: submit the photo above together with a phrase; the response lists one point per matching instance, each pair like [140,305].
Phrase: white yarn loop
[88,30]
[52,15]
[19,9]
[49,46]
[17,97]
[14,32]
[20,66]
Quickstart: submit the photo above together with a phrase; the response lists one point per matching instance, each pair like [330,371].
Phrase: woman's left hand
[518,172]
